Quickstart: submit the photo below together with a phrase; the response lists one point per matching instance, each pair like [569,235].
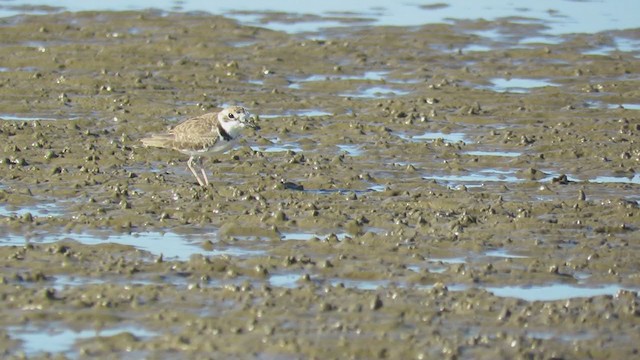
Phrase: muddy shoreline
[396,203]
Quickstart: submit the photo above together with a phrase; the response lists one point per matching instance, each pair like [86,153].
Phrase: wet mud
[413,192]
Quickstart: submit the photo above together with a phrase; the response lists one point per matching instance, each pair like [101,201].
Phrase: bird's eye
[231,116]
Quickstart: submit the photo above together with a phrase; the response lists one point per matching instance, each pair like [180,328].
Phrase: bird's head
[236,117]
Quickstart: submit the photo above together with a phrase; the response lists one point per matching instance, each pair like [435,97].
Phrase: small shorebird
[202,135]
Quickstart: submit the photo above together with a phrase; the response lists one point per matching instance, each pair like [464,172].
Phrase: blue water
[58,339]
[170,245]
[553,292]
[517,85]
[560,16]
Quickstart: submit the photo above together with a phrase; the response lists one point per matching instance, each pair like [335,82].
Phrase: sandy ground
[401,200]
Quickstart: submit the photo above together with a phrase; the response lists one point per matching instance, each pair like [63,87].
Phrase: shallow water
[41,210]
[554,292]
[484,176]
[470,175]
[60,340]
[493,153]
[448,137]
[351,150]
[518,85]
[559,17]
[375,92]
[309,112]
[9,117]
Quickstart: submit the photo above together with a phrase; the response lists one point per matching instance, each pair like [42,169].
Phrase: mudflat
[414,192]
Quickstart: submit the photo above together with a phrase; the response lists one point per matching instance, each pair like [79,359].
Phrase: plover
[204,134]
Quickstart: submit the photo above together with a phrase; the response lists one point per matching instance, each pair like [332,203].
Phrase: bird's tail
[156,141]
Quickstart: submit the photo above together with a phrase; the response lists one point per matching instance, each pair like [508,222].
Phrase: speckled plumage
[204,134]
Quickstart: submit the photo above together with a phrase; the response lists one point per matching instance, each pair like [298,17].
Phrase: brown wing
[192,135]
[194,127]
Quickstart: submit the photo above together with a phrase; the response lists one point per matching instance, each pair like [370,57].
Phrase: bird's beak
[251,123]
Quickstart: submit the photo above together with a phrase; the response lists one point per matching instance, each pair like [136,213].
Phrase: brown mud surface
[390,200]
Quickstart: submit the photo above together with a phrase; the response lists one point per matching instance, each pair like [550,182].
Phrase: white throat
[232,128]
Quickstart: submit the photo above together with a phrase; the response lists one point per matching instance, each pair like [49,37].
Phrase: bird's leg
[204,176]
[204,173]
[193,171]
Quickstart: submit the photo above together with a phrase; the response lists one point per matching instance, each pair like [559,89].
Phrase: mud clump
[389,200]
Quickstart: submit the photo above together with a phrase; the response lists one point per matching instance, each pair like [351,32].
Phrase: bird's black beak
[251,123]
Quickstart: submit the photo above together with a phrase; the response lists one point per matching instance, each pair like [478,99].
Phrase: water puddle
[302,113]
[312,113]
[360,284]
[10,117]
[372,188]
[62,282]
[627,44]
[463,48]
[289,280]
[440,265]
[376,92]
[57,339]
[517,85]
[239,44]
[483,176]
[450,287]
[563,336]
[491,34]
[376,75]
[491,175]
[502,253]
[367,75]
[453,137]
[620,44]
[256,82]
[39,210]
[310,236]
[351,150]
[553,292]
[602,105]
[603,50]
[293,280]
[437,269]
[290,25]
[278,148]
[377,188]
[550,292]
[635,179]
[233,251]
[604,179]
[623,106]
[493,153]
[172,246]
[449,261]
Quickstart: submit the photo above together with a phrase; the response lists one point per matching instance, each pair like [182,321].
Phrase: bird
[203,135]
